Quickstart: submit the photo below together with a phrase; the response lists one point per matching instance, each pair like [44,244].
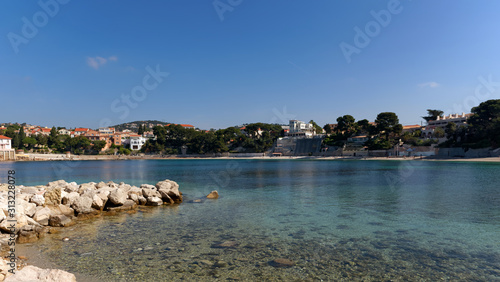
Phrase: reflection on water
[333,219]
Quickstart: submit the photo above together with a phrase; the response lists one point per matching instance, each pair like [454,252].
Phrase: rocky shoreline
[41,210]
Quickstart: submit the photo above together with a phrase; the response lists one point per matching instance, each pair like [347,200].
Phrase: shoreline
[47,209]
[61,157]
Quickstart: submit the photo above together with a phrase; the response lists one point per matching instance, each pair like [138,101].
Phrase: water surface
[347,220]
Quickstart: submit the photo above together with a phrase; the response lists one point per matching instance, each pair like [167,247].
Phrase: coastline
[63,157]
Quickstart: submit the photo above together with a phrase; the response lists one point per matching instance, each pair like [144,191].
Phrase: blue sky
[248,61]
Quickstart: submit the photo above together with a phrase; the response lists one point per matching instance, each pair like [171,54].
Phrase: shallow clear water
[347,220]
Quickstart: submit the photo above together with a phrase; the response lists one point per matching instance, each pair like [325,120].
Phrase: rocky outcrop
[58,204]
[33,273]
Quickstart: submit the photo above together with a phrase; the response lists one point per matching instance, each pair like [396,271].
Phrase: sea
[282,220]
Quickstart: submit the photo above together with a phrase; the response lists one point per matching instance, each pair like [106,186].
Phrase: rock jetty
[42,209]
[59,203]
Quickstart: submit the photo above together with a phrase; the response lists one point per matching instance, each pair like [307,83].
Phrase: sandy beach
[64,157]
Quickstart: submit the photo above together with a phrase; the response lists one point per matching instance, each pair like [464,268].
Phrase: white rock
[42,216]
[39,200]
[30,209]
[33,273]
[154,201]
[117,197]
[82,205]
[97,203]
[70,198]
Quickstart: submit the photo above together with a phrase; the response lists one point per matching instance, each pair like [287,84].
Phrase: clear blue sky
[244,64]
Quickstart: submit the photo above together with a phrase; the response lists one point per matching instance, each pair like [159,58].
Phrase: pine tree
[21,135]
[141,129]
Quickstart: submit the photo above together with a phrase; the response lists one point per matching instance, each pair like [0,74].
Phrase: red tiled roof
[46,129]
[82,129]
[186,125]
[5,137]
[411,126]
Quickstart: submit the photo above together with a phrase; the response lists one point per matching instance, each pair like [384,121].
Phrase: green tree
[346,124]
[317,128]
[328,128]
[141,130]
[387,123]
[21,135]
[432,115]
[485,124]
[98,145]
[29,142]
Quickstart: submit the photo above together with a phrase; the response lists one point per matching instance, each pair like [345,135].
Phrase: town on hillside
[475,134]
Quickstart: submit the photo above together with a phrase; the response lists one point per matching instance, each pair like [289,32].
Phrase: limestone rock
[150,192]
[21,221]
[82,205]
[117,197]
[128,205]
[165,197]
[29,190]
[172,189]
[213,195]
[134,197]
[97,203]
[70,198]
[33,273]
[100,185]
[142,200]
[135,190]
[53,196]
[60,221]
[62,210]
[42,216]
[38,199]
[148,186]
[86,187]
[154,201]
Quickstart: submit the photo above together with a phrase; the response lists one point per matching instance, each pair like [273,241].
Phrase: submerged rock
[213,195]
[282,262]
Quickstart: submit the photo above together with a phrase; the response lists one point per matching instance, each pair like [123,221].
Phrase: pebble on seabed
[65,239]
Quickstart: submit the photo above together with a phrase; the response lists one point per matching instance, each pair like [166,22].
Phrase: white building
[5,143]
[442,122]
[300,129]
[136,142]
[6,151]
[106,130]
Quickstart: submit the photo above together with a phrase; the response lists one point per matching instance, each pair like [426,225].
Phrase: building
[6,151]
[442,122]
[5,143]
[411,128]
[136,142]
[299,128]
[64,131]
[80,131]
[106,130]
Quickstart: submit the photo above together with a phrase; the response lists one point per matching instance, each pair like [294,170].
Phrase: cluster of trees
[170,139]
[382,135]
[482,130]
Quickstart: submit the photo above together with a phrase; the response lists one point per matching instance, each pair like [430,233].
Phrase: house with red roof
[79,131]
[5,143]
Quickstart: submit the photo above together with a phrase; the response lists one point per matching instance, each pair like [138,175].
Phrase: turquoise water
[336,220]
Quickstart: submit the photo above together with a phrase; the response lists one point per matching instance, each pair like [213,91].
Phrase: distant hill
[134,125]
